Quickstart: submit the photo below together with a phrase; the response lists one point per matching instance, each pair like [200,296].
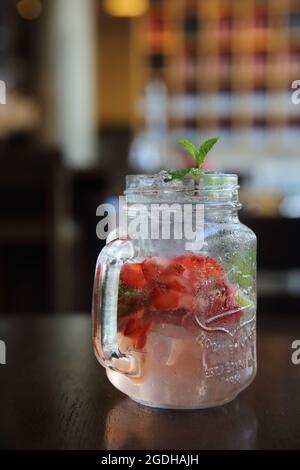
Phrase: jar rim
[207,181]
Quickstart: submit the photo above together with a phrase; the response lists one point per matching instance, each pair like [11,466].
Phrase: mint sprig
[199,154]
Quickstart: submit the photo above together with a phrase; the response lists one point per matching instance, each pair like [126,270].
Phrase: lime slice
[243,301]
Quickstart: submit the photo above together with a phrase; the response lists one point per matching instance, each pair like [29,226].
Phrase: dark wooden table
[54,395]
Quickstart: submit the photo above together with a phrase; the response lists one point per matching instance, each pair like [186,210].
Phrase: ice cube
[165,343]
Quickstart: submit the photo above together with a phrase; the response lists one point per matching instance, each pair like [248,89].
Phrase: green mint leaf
[190,147]
[204,148]
[198,155]
[196,171]
[178,174]
[181,174]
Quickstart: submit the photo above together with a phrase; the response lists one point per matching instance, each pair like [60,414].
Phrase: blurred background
[92,90]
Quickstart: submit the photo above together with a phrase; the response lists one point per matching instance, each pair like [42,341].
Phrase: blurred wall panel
[70,51]
[114,94]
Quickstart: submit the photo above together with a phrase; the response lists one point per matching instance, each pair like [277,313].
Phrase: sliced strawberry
[174,269]
[152,268]
[184,286]
[137,328]
[172,277]
[201,268]
[213,268]
[190,262]
[132,275]
[174,283]
[231,291]
[165,299]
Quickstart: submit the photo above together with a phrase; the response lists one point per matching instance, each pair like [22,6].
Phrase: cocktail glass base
[184,407]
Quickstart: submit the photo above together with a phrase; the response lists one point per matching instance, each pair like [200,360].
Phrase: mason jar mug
[174,303]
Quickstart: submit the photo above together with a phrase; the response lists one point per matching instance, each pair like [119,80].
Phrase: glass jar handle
[105,308]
